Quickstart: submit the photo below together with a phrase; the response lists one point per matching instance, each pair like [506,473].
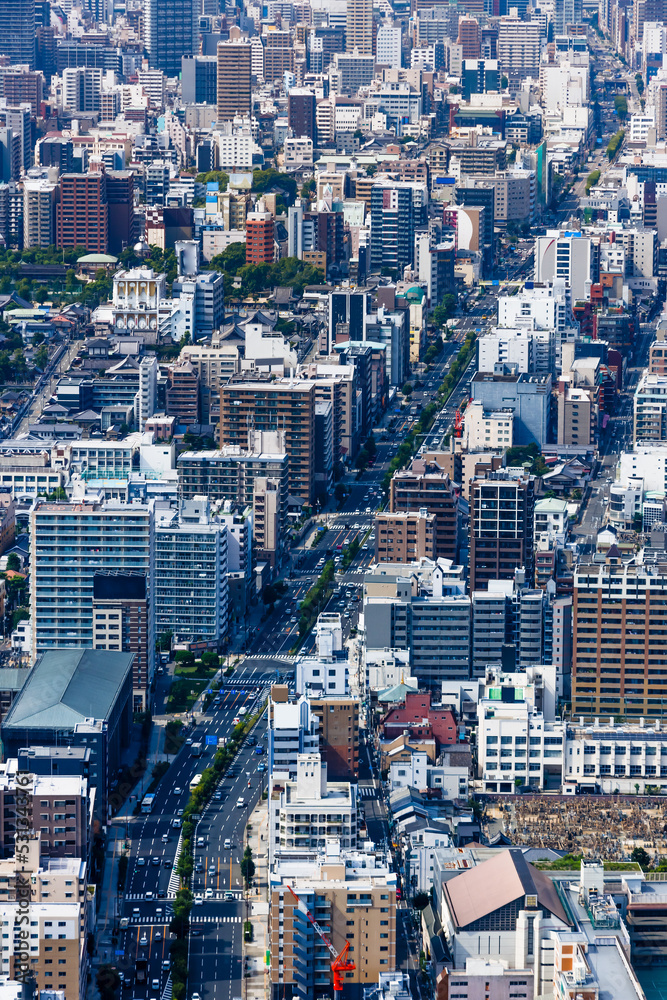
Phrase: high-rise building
[338,733]
[19,120]
[171,31]
[10,155]
[200,79]
[234,80]
[122,620]
[55,151]
[619,665]
[427,486]
[278,54]
[259,242]
[568,256]
[23,87]
[501,528]
[301,112]
[62,572]
[282,405]
[479,76]
[389,47]
[191,591]
[392,226]
[468,38]
[519,46]
[17,31]
[39,212]
[182,393]
[123,223]
[82,214]
[359,29]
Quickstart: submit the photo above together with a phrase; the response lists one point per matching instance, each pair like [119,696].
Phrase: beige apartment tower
[359,32]
[234,80]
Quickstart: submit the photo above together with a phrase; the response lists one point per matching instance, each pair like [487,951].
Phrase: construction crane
[458,424]
[341,963]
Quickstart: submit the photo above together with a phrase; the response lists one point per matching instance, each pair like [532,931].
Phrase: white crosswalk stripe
[367,792]
[216,920]
[167,992]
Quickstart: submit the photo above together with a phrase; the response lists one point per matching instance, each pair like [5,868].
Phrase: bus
[147,803]
[195,750]
[195,781]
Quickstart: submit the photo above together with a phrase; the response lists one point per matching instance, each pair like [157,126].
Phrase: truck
[147,803]
[142,969]
[222,741]
[195,750]
[195,781]
[243,711]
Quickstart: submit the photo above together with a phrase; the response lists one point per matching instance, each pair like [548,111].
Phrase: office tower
[46,51]
[17,31]
[388,49]
[474,193]
[650,409]
[82,214]
[123,223]
[392,226]
[284,404]
[259,229]
[62,571]
[268,518]
[171,31]
[468,38]
[122,620]
[39,212]
[426,486]
[501,528]
[230,473]
[191,589]
[199,79]
[301,113]
[338,735]
[619,665]
[519,46]
[10,155]
[479,76]
[295,230]
[359,27]
[348,315]
[567,12]
[234,80]
[11,214]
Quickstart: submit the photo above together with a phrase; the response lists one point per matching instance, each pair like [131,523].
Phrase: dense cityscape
[333,500]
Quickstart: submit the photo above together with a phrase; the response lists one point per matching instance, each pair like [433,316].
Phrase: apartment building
[338,731]
[354,896]
[57,949]
[501,528]
[215,364]
[285,404]
[291,731]
[62,571]
[121,616]
[650,409]
[619,665]
[305,812]
[425,485]
[191,592]
[608,757]
[403,538]
[60,808]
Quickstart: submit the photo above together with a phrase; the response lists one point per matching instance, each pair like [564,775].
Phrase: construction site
[595,826]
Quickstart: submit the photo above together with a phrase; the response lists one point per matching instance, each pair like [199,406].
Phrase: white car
[209,893]
[178,790]
[198,900]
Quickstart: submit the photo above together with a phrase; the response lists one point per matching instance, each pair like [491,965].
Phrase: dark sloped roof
[495,883]
[67,686]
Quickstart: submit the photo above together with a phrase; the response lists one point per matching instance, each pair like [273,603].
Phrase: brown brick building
[82,214]
[426,485]
[339,736]
[403,538]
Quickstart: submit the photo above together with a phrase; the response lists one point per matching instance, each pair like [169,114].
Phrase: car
[157,936]
[195,996]
[188,742]
[212,869]
[148,894]
[229,895]
[143,940]
[217,796]
[199,868]
[199,899]
[261,767]
[167,863]
[240,802]
[141,862]
[155,984]
[162,893]
[179,813]
[155,861]
[236,720]
[178,790]
[196,931]
[209,893]
[166,964]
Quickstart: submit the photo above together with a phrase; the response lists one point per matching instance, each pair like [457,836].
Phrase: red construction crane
[458,424]
[340,963]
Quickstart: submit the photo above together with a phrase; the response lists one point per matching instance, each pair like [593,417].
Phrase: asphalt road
[215,943]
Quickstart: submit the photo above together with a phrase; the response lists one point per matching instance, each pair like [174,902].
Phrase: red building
[259,237]
[420,720]
[82,214]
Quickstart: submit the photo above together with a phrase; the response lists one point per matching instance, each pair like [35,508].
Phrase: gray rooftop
[12,680]
[68,686]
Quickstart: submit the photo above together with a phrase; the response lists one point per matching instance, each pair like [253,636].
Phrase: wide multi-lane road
[216,922]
